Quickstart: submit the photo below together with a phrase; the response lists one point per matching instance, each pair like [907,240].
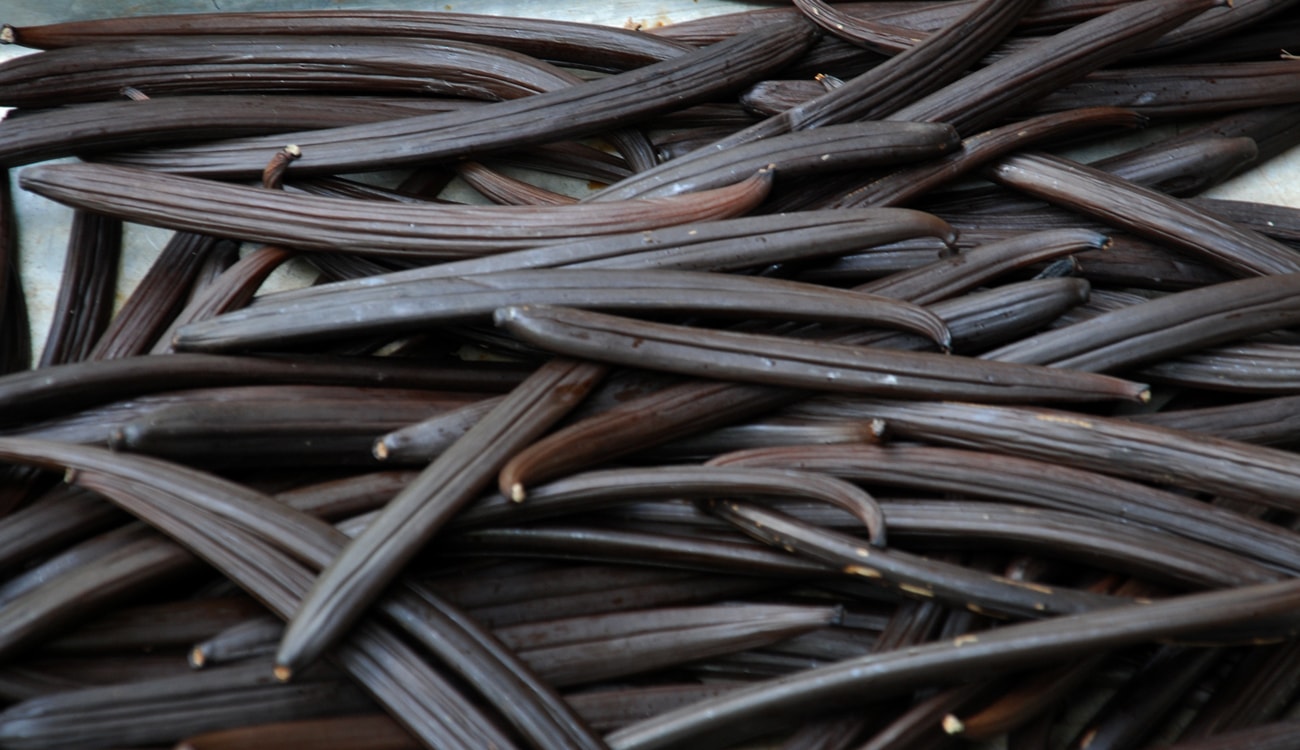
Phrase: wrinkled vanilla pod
[85,299]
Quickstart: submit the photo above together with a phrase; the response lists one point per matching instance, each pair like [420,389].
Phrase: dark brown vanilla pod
[84,302]
[84,129]
[1145,213]
[1269,421]
[567,42]
[1190,460]
[280,426]
[659,639]
[370,561]
[1263,368]
[723,245]
[419,442]
[949,277]
[254,636]
[906,573]
[903,185]
[766,433]
[66,387]
[598,544]
[1275,735]
[73,559]
[693,77]
[165,710]
[381,308]
[1278,222]
[1164,327]
[424,231]
[1216,23]
[15,333]
[1182,90]
[1039,484]
[597,488]
[149,627]
[793,363]
[233,289]
[1001,650]
[157,298]
[980,99]
[97,579]
[51,522]
[828,148]
[164,66]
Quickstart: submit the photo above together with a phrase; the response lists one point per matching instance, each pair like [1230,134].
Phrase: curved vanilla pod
[717,245]
[1001,650]
[1039,484]
[1169,91]
[419,442]
[1184,168]
[943,57]
[796,363]
[271,64]
[84,302]
[1190,460]
[1278,222]
[233,289]
[388,308]
[948,277]
[94,127]
[986,317]
[502,189]
[826,149]
[905,573]
[364,568]
[598,488]
[696,406]
[903,185]
[67,387]
[562,41]
[1144,212]
[157,297]
[765,433]
[981,98]
[693,77]
[1249,367]
[432,231]
[1164,327]
[166,709]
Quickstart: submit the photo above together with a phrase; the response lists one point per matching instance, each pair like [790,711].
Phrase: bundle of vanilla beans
[789,381]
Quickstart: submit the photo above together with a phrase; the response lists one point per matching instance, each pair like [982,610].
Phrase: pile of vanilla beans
[789,382]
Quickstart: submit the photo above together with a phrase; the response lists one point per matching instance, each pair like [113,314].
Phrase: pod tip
[379,451]
[952,725]
[8,35]
[282,673]
[197,658]
[517,492]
